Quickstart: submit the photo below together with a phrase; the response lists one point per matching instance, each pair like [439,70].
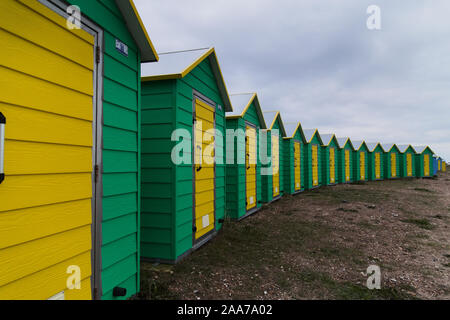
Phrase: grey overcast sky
[318,63]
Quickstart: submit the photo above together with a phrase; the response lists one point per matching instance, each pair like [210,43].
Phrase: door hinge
[97,55]
[96,173]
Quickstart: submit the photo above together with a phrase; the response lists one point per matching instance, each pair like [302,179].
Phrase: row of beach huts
[91,118]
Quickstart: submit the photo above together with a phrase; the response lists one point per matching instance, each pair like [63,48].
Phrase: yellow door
[444,166]
[426,165]
[377,165]
[275,166]
[46,94]
[439,165]
[204,169]
[250,165]
[332,166]
[297,165]
[393,165]
[347,165]
[409,164]
[362,165]
[315,165]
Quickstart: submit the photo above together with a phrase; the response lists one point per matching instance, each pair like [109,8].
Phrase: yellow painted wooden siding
[393,165]
[439,165]
[276,166]
[347,165]
[46,94]
[377,165]
[297,165]
[332,166]
[409,164]
[315,165]
[444,167]
[250,167]
[362,165]
[426,165]
[204,169]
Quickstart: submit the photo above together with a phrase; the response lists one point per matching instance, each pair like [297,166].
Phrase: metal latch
[2,147]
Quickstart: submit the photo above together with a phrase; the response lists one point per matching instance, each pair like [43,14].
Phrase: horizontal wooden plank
[30,257]
[119,205]
[19,192]
[118,117]
[117,228]
[119,161]
[46,283]
[119,72]
[23,56]
[24,225]
[41,158]
[118,139]
[47,32]
[119,183]
[20,89]
[118,250]
[33,125]
[119,272]
[116,93]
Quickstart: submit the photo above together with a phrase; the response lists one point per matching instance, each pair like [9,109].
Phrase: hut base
[249,213]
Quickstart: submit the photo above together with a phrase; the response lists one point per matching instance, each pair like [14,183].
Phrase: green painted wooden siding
[236,173]
[387,163]
[372,173]
[308,163]
[267,194]
[326,163]
[404,166]
[341,163]
[120,254]
[289,169]
[356,164]
[167,188]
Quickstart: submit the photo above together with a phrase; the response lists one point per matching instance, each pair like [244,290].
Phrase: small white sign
[122,47]
[298,185]
[251,200]
[205,221]
[276,189]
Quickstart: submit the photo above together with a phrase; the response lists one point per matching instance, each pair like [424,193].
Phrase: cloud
[316,61]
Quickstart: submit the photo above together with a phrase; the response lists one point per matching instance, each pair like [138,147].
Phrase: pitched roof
[404,147]
[310,133]
[241,102]
[421,149]
[292,128]
[270,117]
[342,141]
[373,145]
[137,30]
[327,138]
[176,65]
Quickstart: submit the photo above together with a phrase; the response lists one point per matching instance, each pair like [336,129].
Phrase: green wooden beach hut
[273,165]
[70,194]
[376,167]
[424,161]
[183,171]
[330,154]
[407,163]
[313,163]
[293,149]
[345,160]
[391,161]
[360,161]
[243,168]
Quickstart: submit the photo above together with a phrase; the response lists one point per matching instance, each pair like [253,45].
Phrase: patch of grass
[346,210]
[421,223]
[423,190]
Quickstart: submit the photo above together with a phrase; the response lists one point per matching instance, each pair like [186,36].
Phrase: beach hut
[391,161]
[243,168]
[70,195]
[360,161]
[313,163]
[329,159]
[184,100]
[273,166]
[424,161]
[407,163]
[293,149]
[444,166]
[439,164]
[345,160]
[376,167]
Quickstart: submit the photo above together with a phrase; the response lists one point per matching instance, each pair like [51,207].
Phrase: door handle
[2,147]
